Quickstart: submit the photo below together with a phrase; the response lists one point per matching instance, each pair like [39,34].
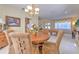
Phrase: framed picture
[12,21]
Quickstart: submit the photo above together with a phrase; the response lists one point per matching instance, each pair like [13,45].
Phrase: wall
[34,20]
[7,10]
[70,19]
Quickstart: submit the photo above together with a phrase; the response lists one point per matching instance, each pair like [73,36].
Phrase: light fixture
[32,10]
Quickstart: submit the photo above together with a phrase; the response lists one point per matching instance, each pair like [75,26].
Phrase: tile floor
[68,45]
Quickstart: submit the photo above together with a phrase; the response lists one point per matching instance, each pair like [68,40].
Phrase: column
[34,20]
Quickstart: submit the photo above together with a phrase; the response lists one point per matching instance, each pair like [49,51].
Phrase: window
[63,25]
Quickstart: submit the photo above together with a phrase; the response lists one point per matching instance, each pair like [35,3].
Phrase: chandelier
[32,10]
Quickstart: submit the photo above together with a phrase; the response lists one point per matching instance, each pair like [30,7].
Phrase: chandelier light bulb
[36,9]
[29,7]
[32,10]
[26,10]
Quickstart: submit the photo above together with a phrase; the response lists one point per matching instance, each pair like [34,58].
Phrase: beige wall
[71,19]
[34,20]
[7,10]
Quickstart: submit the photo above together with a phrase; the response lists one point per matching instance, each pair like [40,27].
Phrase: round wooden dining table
[39,38]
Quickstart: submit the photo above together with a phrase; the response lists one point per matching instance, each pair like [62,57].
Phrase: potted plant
[77,25]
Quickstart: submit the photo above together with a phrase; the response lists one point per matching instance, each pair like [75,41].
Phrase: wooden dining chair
[4,43]
[11,48]
[3,40]
[21,43]
[51,47]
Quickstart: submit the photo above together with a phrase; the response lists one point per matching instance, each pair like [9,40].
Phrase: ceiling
[54,11]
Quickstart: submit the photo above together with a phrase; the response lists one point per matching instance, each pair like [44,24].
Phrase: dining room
[39,29]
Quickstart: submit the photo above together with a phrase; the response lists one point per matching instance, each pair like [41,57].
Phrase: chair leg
[58,52]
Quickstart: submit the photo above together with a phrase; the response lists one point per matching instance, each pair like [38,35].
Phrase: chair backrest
[3,40]
[53,30]
[59,38]
[21,42]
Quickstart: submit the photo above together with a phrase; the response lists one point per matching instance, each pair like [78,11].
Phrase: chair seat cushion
[52,39]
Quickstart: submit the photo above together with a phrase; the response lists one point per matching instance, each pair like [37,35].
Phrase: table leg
[40,48]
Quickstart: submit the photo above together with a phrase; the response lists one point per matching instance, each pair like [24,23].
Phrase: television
[63,25]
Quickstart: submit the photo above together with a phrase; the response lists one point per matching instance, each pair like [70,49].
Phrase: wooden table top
[39,37]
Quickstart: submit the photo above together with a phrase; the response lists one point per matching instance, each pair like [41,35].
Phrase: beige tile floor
[69,45]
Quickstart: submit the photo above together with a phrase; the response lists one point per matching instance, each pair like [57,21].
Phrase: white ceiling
[54,11]
[57,11]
